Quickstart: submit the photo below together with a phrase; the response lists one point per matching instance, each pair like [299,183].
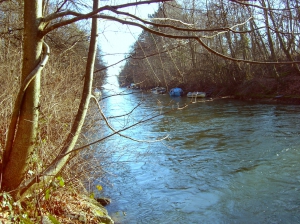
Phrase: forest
[242,48]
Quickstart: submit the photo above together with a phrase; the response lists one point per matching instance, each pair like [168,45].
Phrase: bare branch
[231,29]
[261,7]
[171,26]
[174,20]
[121,130]
[79,16]
[141,57]
[115,131]
[194,38]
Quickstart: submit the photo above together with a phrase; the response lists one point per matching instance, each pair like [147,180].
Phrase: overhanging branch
[198,39]
[80,16]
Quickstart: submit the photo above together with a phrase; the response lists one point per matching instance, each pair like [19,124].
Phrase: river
[222,161]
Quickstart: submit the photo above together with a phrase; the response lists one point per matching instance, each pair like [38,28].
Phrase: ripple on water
[225,162]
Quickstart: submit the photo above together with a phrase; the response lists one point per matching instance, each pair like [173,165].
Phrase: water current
[222,161]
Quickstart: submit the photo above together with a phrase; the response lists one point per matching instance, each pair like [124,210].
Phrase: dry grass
[10,70]
[62,82]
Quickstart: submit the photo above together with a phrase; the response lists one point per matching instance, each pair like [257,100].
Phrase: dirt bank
[269,90]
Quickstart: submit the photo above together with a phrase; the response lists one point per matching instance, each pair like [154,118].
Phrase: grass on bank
[66,200]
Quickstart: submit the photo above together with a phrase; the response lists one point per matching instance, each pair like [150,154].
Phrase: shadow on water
[224,161]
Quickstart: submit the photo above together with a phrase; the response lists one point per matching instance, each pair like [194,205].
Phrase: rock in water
[104,201]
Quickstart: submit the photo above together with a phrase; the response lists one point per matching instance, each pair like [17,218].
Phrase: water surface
[223,161]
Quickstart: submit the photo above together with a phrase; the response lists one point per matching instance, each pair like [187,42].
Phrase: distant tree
[219,36]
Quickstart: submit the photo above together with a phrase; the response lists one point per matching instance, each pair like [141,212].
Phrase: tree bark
[23,137]
[72,138]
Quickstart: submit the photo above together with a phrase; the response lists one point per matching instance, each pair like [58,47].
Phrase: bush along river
[223,161]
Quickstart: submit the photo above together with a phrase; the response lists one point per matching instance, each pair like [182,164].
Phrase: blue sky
[115,39]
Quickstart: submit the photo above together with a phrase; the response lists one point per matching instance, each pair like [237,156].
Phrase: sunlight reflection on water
[226,162]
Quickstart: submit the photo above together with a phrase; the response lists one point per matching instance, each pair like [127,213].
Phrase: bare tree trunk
[72,138]
[22,139]
[271,44]
[281,41]
[259,52]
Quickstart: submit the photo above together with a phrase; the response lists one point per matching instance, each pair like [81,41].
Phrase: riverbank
[71,207]
[269,99]
[285,90]
[64,205]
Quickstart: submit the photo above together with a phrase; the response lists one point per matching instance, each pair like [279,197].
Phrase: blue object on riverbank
[176,92]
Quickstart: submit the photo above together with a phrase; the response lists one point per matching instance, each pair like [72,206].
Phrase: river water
[222,161]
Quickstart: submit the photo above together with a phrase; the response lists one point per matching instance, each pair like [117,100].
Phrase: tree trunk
[23,137]
[271,44]
[72,138]
[281,41]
